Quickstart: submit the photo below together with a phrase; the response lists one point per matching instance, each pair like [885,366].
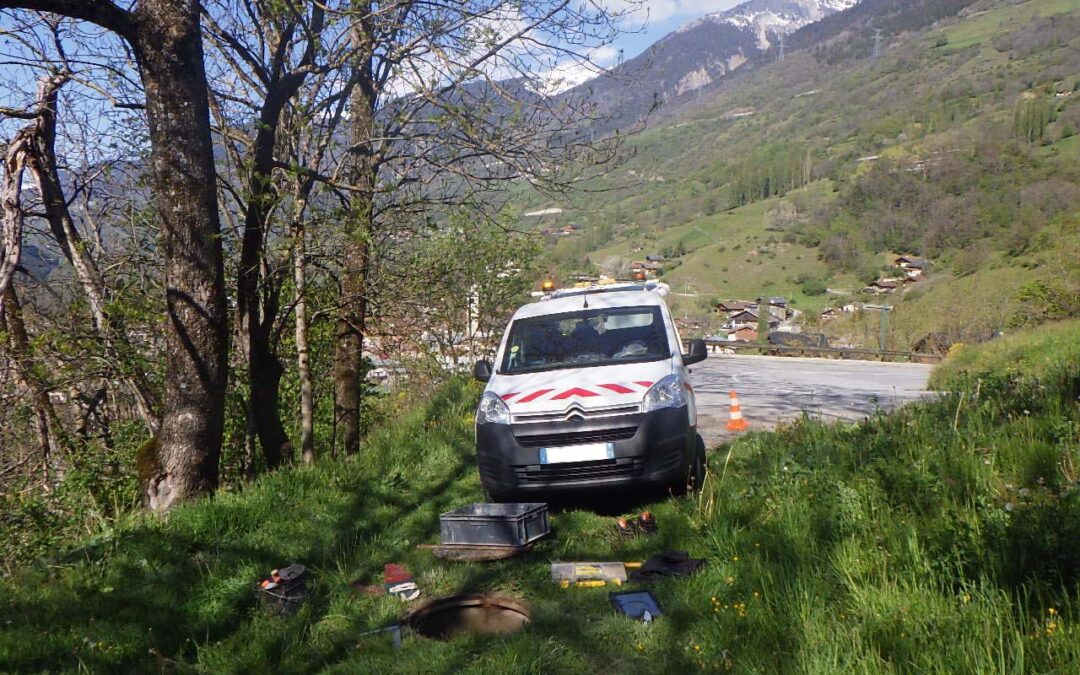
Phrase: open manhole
[478,614]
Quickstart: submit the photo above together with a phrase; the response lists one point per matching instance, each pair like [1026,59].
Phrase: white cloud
[571,73]
[659,11]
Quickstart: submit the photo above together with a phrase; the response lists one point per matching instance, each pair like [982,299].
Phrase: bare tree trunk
[183,460]
[348,355]
[19,343]
[11,196]
[42,164]
[256,315]
[168,43]
[303,360]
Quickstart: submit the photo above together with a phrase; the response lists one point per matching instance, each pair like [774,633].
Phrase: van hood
[586,388]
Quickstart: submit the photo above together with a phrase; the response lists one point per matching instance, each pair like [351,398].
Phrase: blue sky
[650,20]
[660,17]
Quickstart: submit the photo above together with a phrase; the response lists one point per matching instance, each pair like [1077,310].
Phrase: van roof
[600,298]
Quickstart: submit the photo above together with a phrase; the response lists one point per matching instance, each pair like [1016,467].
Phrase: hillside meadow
[959,144]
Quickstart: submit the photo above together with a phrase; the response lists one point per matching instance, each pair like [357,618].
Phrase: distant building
[655,258]
[732,306]
[743,335]
[881,286]
[750,318]
[906,262]
[775,301]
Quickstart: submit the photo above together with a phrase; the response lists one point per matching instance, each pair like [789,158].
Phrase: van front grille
[576,437]
[577,412]
[606,469]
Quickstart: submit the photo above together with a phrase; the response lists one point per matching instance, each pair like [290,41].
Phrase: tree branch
[100,12]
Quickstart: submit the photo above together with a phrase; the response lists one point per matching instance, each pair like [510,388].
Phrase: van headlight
[667,393]
[492,409]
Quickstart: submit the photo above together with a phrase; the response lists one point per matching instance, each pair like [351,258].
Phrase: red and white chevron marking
[636,387]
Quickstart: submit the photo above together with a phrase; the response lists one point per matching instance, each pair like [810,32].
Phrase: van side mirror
[697,354]
[482,370]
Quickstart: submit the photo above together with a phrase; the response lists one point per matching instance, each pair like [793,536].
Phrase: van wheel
[696,478]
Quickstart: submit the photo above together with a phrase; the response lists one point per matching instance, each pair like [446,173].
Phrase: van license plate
[577,453]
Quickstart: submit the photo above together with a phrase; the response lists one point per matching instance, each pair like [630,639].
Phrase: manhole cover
[485,614]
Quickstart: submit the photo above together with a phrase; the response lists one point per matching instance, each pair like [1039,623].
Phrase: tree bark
[359,227]
[258,311]
[11,202]
[168,43]
[183,460]
[303,360]
[37,391]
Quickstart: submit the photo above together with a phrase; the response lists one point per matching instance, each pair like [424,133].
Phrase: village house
[775,301]
[906,262]
[744,334]
[748,318]
[732,306]
[881,286]
[645,267]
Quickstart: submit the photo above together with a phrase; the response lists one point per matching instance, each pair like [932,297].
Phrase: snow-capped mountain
[770,18]
[702,51]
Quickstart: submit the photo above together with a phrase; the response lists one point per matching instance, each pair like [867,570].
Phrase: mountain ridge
[698,54]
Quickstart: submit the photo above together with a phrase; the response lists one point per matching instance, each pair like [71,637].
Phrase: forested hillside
[958,143]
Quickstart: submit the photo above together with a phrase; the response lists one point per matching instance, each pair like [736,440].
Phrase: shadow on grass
[155,596]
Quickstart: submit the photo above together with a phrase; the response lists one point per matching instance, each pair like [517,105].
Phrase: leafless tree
[448,102]
[442,104]
[166,40]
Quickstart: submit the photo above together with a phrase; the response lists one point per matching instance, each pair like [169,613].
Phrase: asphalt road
[772,389]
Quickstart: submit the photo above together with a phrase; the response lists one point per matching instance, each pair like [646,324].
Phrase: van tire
[696,478]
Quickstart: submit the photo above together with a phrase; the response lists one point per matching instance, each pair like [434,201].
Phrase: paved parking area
[772,389]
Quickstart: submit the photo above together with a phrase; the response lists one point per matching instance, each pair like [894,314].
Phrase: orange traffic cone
[736,423]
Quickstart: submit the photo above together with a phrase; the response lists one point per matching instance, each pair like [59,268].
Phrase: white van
[589,390]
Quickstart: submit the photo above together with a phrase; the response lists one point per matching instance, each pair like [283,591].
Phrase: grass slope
[941,538]
[985,25]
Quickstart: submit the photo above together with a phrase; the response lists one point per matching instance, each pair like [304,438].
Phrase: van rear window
[591,337]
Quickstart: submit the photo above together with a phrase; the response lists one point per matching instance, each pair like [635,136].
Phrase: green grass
[979,303]
[1031,353]
[984,26]
[731,255]
[941,538]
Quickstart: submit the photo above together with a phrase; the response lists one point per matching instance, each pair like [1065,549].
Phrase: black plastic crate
[494,524]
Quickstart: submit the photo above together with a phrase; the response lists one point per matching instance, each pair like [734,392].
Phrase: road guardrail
[854,353]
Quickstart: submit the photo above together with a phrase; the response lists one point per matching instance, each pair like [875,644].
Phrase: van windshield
[591,337]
